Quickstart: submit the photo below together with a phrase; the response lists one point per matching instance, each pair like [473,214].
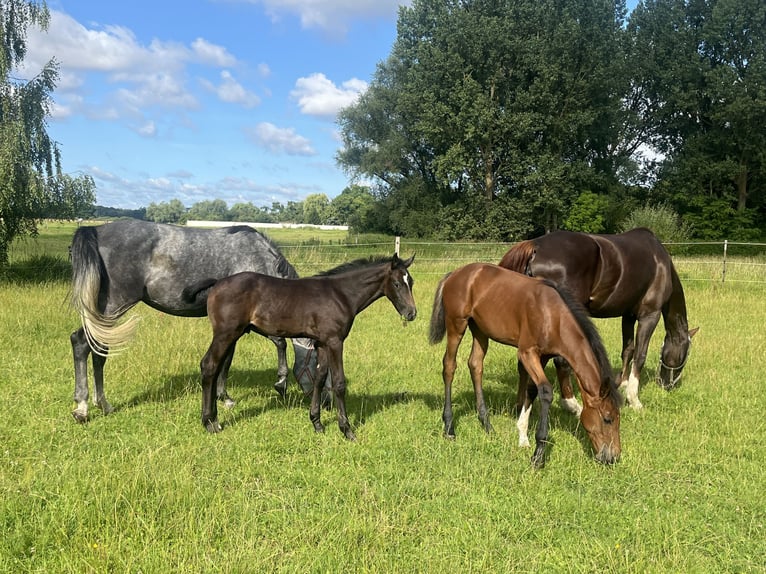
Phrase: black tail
[197,292]
[438,326]
[594,339]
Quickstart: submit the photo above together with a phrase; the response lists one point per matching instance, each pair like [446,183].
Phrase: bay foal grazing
[322,308]
[117,265]
[542,322]
[629,275]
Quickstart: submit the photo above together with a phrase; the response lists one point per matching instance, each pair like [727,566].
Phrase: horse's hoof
[538,461]
[80,417]
[281,387]
[213,427]
[228,403]
[105,407]
[449,436]
[318,428]
[350,435]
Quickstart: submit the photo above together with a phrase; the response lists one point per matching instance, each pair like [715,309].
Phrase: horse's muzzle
[607,455]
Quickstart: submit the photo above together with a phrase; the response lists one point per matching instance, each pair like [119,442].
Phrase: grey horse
[119,264]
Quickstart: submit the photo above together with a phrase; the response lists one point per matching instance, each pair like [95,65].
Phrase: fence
[711,261]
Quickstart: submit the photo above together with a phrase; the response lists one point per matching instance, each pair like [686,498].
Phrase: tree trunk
[741,180]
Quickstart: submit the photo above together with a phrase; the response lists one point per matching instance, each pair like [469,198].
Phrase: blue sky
[200,100]
[208,99]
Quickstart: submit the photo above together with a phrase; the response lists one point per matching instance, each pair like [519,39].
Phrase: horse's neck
[676,324]
[364,290]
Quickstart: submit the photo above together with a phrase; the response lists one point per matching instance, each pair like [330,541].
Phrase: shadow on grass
[39,269]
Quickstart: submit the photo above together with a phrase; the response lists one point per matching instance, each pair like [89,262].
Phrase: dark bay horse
[322,308]
[630,275]
[541,321]
[119,264]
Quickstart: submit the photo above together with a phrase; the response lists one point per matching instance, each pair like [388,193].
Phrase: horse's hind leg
[80,352]
[221,392]
[564,375]
[476,366]
[282,370]
[315,409]
[99,398]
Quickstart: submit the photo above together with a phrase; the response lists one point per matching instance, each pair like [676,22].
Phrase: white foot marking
[571,406]
[631,392]
[523,425]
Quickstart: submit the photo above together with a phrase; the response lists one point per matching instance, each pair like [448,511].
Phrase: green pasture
[146,489]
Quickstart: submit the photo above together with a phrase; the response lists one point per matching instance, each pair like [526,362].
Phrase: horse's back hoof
[228,403]
[449,436]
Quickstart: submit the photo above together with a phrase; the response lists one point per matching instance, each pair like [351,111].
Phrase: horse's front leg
[628,348]
[281,385]
[646,326]
[315,411]
[532,363]
[335,357]
[476,367]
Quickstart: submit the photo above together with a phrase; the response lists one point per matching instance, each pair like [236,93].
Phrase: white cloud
[232,92]
[318,96]
[138,76]
[331,15]
[280,140]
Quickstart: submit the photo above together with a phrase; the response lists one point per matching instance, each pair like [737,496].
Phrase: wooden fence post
[725,249]
[396,246]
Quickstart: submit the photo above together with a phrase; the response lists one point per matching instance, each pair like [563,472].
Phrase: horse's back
[608,274]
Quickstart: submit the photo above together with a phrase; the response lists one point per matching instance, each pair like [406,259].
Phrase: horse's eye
[608,419]
[397,285]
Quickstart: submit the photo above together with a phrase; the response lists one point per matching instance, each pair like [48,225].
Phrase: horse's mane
[355,264]
[517,258]
[594,338]
[284,267]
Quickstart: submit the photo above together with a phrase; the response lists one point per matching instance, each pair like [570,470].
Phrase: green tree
[172,211]
[347,207]
[32,185]
[703,69]
[315,208]
[495,102]
[210,210]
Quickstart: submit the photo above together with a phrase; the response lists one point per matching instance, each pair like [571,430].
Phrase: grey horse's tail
[105,333]
[438,325]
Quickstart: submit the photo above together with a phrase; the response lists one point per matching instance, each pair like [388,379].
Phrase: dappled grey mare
[117,265]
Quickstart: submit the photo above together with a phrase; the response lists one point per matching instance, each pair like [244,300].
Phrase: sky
[208,99]
[199,100]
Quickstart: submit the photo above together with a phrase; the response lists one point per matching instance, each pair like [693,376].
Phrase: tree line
[504,119]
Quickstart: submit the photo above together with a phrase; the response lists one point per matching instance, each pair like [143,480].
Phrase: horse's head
[673,357]
[398,288]
[601,420]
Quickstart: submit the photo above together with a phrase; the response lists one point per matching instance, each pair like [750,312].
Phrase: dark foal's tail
[518,257]
[103,332]
[594,339]
[197,292]
[438,326]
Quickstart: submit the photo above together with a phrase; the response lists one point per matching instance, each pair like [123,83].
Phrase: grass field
[145,489]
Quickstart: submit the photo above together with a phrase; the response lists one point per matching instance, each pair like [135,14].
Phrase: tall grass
[145,489]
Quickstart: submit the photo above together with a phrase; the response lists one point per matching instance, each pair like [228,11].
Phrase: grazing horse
[322,308]
[541,321]
[630,275]
[117,265]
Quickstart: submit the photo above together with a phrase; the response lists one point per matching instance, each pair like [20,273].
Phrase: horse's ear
[408,262]
[693,332]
